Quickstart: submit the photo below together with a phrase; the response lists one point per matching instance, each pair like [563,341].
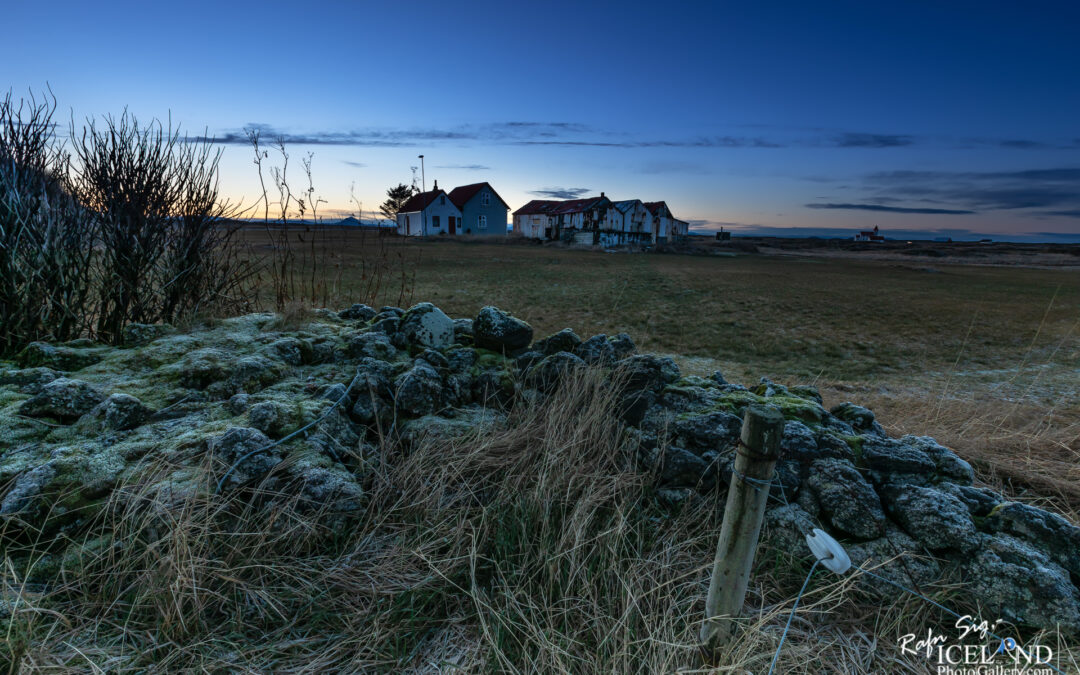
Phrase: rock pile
[75,419]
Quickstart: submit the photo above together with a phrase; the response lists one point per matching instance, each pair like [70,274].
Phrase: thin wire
[299,431]
[772,666]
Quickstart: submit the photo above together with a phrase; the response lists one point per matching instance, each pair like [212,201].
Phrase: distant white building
[597,221]
[470,209]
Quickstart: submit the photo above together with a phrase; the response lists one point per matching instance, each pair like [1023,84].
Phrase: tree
[397,198]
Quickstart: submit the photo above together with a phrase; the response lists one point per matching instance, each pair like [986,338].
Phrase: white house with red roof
[469,209]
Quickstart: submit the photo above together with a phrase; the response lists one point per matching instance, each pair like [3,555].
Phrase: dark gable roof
[537,207]
[419,202]
[656,206]
[461,195]
[579,205]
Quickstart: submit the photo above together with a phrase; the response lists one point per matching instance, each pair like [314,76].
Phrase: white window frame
[481,222]
[485,199]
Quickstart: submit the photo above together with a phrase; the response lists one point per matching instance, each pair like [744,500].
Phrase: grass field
[987,359]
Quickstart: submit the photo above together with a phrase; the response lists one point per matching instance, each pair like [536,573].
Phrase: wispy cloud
[465,167]
[861,140]
[1048,188]
[358,165]
[561,193]
[1067,213]
[890,209]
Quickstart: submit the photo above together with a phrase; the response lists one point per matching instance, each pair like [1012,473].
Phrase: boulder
[1056,537]
[647,372]
[497,330]
[847,501]
[419,391]
[565,340]
[121,412]
[546,374]
[357,312]
[861,419]
[463,331]
[290,350]
[596,351]
[237,442]
[64,399]
[60,357]
[1019,583]
[374,345]
[709,431]
[936,519]
[623,345]
[29,380]
[425,325]
[139,334]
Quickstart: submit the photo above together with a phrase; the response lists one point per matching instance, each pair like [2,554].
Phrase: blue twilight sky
[952,117]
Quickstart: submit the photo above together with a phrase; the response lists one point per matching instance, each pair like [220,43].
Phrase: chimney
[601,194]
[436,188]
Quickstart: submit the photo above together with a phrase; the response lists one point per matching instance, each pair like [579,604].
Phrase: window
[481,222]
[485,199]
[442,200]
[435,222]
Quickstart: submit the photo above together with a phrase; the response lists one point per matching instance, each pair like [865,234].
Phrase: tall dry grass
[529,546]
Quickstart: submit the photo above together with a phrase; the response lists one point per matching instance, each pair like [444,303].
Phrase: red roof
[536,207]
[577,205]
[655,206]
[461,195]
[421,201]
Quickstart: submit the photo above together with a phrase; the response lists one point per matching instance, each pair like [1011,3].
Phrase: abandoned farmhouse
[595,221]
[598,221]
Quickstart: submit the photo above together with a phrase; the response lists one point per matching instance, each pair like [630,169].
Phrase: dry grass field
[984,358]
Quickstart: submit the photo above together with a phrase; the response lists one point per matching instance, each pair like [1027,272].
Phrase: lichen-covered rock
[374,345]
[420,390]
[357,312]
[948,464]
[425,325]
[1056,537]
[60,357]
[290,350]
[497,330]
[390,309]
[709,431]
[463,331]
[238,403]
[268,417]
[936,519]
[623,345]
[646,372]
[386,324]
[29,380]
[467,422]
[121,412]
[28,487]
[979,501]
[680,467]
[887,458]
[565,340]
[1019,583]
[248,449]
[203,367]
[547,374]
[861,419]
[596,351]
[64,399]
[895,556]
[847,501]
[138,334]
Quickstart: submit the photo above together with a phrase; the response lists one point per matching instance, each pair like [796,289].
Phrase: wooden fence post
[755,459]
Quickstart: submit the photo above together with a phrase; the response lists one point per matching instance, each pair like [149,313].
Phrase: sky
[953,119]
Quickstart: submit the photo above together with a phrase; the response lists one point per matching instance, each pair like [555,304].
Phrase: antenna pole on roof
[423,188]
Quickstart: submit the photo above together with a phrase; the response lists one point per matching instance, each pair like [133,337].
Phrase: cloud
[889,209]
[1067,213]
[465,167]
[561,193]
[860,140]
[358,165]
[1049,188]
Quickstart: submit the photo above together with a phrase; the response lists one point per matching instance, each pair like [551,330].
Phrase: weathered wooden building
[597,221]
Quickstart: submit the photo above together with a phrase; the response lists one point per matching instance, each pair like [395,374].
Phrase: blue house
[483,211]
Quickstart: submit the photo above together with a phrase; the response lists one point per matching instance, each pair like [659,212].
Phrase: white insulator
[829,551]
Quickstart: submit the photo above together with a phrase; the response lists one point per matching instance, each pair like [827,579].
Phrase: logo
[976,650]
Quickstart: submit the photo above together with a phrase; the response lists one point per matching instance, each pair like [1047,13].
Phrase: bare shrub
[45,235]
[165,248]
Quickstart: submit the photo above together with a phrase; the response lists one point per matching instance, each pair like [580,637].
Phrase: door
[452,221]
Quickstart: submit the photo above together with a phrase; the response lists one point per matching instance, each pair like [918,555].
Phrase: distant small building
[869,235]
[483,211]
[723,235]
[597,221]
[532,221]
